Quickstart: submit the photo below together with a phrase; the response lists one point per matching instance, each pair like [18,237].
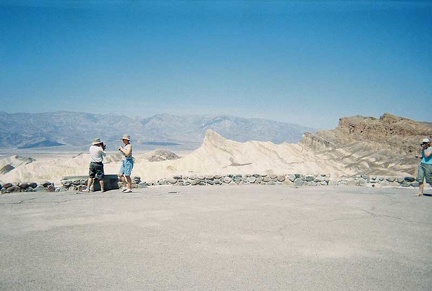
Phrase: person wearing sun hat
[96,167]
[127,164]
[425,168]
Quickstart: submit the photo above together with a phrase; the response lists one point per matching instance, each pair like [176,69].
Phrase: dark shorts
[424,172]
[96,170]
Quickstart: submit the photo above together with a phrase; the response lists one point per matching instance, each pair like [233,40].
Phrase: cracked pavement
[247,237]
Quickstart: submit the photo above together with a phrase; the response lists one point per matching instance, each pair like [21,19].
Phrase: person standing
[425,168]
[96,168]
[127,164]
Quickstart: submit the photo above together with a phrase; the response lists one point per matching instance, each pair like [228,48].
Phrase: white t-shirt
[96,154]
[126,148]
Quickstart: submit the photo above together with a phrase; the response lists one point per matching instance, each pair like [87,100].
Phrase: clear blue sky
[305,62]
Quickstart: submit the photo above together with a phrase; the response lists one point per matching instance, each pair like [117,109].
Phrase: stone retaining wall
[27,187]
[79,183]
[289,180]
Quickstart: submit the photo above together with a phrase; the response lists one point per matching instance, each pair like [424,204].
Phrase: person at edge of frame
[425,168]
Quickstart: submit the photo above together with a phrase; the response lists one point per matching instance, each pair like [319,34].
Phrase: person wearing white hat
[96,168]
[425,168]
[127,164]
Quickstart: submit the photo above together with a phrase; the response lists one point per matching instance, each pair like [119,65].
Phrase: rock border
[296,180]
[79,183]
[27,187]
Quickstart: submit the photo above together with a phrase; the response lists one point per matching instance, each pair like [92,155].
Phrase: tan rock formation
[374,146]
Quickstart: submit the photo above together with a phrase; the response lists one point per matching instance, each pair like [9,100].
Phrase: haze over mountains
[74,131]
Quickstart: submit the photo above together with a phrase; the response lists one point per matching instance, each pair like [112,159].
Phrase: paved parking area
[246,237]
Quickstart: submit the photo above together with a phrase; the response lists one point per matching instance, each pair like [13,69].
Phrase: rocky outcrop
[161,155]
[387,125]
[371,146]
[396,133]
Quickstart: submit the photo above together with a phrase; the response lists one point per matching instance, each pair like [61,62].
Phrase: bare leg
[122,180]
[102,184]
[90,184]
[421,189]
[129,182]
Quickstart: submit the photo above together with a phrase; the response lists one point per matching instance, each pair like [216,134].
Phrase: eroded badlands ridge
[371,146]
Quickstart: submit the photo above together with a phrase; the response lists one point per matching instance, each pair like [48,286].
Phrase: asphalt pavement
[247,237]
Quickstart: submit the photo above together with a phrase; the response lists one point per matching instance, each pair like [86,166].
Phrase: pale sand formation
[216,155]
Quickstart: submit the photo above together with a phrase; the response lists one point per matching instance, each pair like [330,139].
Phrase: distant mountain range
[65,130]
